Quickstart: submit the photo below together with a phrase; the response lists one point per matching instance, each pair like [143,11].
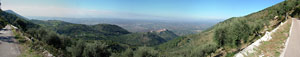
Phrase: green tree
[77,49]
[145,52]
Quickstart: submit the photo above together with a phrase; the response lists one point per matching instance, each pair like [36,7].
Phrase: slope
[106,32]
[231,35]
[39,42]
[8,18]
[165,34]
[14,13]
[100,31]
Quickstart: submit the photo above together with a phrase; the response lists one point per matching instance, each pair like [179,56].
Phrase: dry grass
[274,47]
[26,51]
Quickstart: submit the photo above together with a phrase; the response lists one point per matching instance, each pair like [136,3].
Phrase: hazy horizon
[138,9]
[149,28]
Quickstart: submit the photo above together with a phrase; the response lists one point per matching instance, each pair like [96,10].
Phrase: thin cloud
[56,11]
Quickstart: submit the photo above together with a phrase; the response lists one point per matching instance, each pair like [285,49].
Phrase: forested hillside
[106,32]
[58,45]
[179,27]
[7,18]
[148,38]
[14,13]
[100,31]
[230,36]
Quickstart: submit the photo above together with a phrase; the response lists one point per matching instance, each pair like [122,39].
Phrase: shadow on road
[4,29]
[8,39]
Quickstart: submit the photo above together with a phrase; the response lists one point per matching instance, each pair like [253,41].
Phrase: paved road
[293,44]
[8,46]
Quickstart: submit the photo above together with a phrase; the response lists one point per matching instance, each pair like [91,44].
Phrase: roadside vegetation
[275,46]
[232,35]
[24,44]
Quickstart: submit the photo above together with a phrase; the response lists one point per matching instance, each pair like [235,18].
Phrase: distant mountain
[107,32]
[108,28]
[149,38]
[165,34]
[100,31]
[140,39]
[179,27]
[14,13]
[9,17]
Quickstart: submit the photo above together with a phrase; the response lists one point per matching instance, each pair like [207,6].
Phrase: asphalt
[293,44]
[8,45]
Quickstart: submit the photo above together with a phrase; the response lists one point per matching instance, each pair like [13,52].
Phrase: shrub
[77,49]
[52,39]
[95,49]
[145,52]
[232,33]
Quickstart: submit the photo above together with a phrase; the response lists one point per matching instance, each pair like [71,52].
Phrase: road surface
[293,44]
[8,45]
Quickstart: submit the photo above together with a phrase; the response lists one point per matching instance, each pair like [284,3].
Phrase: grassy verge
[28,52]
[275,46]
[24,46]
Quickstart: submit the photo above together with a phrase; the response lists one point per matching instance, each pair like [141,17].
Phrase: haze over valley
[149,28]
[180,27]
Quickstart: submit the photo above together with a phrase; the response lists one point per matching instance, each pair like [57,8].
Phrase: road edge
[288,39]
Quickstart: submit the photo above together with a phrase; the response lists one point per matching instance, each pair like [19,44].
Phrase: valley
[97,37]
[138,25]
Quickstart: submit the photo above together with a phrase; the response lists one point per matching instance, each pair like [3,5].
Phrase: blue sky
[138,9]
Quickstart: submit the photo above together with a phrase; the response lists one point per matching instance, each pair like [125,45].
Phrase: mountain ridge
[13,12]
[106,32]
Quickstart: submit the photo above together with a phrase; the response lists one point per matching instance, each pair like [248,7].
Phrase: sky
[138,9]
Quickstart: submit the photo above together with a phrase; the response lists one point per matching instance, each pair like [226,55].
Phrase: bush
[236,31]
[128,53]
[52,39]
[203,51]
[233,33]
[83,49]
[140,52]
[77,49]
[96,49]
[145,52]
